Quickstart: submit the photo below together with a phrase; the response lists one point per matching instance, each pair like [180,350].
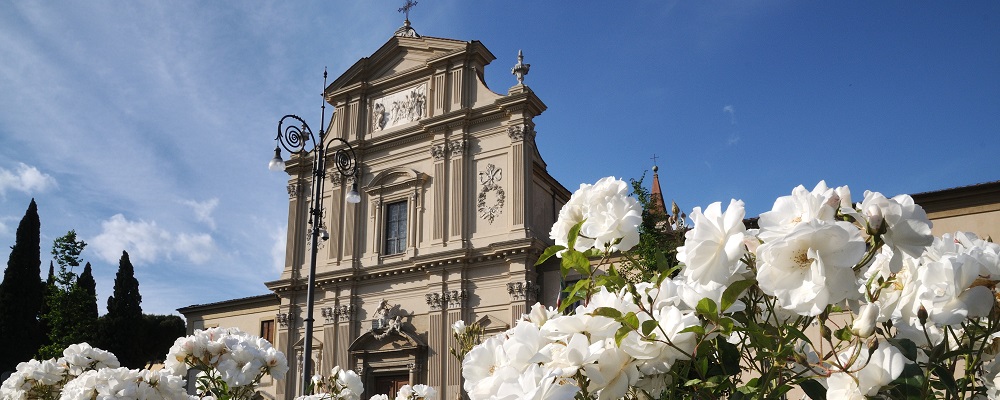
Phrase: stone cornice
[397,138]
[982,197]
[509,250]
[525,100]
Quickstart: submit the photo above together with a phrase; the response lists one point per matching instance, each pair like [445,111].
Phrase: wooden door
[390,384]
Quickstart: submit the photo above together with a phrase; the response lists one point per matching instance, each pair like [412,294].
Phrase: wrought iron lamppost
[294,138]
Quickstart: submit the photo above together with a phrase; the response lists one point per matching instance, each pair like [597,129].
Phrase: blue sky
[146,126]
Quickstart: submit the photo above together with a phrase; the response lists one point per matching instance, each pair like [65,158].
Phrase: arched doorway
[388,360]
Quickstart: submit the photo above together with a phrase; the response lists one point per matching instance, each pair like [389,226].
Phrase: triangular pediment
[405,54]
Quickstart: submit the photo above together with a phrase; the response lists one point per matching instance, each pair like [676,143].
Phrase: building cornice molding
[972,199]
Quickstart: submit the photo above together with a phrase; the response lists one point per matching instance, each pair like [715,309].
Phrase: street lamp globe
[353,197]
[276,164]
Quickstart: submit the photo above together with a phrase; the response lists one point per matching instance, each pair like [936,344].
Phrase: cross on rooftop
[406,8]
[654,157]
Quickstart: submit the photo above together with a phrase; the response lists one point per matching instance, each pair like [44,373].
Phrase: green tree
[47,290]
[121,329]
[161,333]
[21,294]
[659,238]
[70,309]
[66,251]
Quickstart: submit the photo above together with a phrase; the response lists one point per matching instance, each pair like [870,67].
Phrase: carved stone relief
[522,291]
[455,298]
[437,151]
[341,313]
[295,190]
[386,320]
[399,108]
[447,299]
[434,300]
[519,132]
[516,132]
[490,179]
[344,312]
[328,314]
[456,148]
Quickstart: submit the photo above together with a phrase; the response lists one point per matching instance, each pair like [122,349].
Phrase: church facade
[456,206]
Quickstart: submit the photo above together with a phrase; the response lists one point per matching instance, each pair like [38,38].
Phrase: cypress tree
[122,328]
[83,299]
[21,294]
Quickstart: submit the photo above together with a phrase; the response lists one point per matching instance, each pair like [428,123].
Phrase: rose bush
[344,384]
[231,364]
[830,297]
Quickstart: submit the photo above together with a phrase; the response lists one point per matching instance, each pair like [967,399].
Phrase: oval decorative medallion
[490,180]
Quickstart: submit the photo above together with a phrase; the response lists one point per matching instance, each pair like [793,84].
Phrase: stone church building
[456,206]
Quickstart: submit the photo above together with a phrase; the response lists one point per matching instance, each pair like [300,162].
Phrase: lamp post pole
[293,138]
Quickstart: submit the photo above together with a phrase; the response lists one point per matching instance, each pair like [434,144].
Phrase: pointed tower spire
[655,194]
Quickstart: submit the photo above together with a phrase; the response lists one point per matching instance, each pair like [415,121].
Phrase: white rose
[539,314]
[424,392]
[883,366]
[947,292]
[613,374]
[480,366]
[609,212]
[800,207]
[865,321]
[458,327]
[713,248]
[908,231]
[350,380]
[812,266]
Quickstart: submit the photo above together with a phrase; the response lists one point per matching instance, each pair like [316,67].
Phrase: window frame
[395,227]
[269,334]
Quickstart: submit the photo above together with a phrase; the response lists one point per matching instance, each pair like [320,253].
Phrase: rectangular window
[395,227]
[267,330]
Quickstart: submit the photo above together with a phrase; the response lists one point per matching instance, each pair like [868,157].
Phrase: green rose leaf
[609,312]
[707,308]
[549,252]
[734,291]
[574,233]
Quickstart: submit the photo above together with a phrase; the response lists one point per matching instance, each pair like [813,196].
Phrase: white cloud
[732,113]
[26,179]
[147,243]
[196,247]
[203,210]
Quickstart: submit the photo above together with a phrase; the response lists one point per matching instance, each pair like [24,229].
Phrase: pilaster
[457,154]
[440,189]
[298,201]
[334,207]
[453,376]
[435,339]
[350,223]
